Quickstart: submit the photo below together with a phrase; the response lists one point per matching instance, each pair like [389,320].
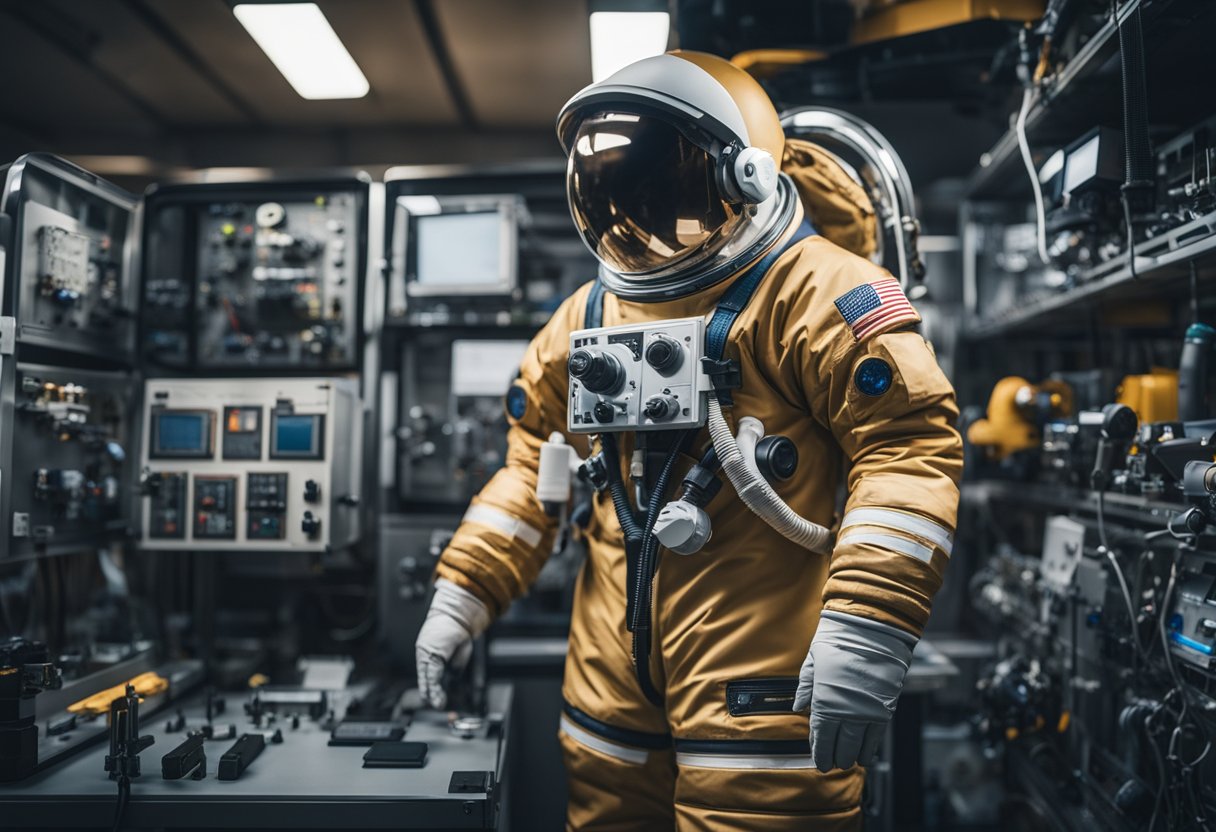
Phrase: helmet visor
[643,195]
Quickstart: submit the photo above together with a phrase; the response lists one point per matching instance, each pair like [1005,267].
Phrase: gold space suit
[732,623]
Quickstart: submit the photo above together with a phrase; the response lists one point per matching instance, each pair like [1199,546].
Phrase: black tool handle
[242,754]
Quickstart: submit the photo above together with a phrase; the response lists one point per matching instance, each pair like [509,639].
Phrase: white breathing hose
[1040,214]
[739,463]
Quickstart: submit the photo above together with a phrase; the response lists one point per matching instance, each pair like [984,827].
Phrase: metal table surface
[301,783]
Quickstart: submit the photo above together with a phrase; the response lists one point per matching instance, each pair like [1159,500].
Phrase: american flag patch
[875,306]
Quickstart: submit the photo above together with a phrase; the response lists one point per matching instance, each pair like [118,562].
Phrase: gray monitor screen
[459,249]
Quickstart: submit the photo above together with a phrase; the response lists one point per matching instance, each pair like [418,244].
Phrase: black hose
[616,490]
[1138,161]
[650,544]
[644,587]
[1139,167]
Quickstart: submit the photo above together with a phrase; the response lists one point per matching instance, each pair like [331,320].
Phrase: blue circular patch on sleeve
[873,377]
[517,402]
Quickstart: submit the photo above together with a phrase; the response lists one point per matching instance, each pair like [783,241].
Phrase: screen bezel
[317,449]
[412,209]
[156,452]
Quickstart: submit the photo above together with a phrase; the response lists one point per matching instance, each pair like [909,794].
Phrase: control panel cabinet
[253,277]
[251,464]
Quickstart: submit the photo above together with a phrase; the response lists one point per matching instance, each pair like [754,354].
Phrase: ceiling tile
[46,89]
[518,62]
[146,64]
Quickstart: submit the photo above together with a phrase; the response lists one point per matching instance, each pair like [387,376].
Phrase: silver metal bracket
[8,335]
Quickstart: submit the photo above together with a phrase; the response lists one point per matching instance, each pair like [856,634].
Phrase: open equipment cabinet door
[68,393]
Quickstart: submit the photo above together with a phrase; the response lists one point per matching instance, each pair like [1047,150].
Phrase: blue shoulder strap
[734,300]
[593,313]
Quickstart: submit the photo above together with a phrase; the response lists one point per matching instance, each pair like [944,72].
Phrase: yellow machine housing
[1154,396]
[885,20]
[1016,409]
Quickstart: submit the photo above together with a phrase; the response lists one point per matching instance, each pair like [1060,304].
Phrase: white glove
[455,618]
[851,680]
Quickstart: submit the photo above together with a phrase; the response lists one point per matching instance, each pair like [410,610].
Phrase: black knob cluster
[599,372]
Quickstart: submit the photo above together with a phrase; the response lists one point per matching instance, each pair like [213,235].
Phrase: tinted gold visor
[644,196]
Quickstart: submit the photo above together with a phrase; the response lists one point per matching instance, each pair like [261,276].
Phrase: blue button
[873,377]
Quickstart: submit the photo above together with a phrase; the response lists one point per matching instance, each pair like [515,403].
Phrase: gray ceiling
[181,83]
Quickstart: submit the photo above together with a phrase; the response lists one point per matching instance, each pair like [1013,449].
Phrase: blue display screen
[181,433]
[296,435]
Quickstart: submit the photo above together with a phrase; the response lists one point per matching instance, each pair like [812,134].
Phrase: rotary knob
[600,372]
[664,353]
[662,408]
[604,413]
[310,524]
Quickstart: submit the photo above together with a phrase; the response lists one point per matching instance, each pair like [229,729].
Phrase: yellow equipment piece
[764,63]
[894,20]
[145,684]
[1015,411]
[1154,396]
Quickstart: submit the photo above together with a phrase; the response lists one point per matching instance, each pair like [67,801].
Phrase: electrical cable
[1179,685]
[1131,237]
[616,490]
[1040,213]
[1123,588]
[1162,779]
[647,558]
[1138,160]
[1194,291]
[124,797]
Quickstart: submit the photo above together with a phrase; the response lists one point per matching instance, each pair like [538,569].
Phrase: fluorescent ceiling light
[300,42]
[620,38]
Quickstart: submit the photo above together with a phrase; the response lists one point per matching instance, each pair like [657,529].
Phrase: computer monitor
[459,246]
[297,436]
[182,434]
[1094,160]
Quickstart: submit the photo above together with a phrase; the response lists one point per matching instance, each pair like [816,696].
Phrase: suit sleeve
[893,413]
[505,536]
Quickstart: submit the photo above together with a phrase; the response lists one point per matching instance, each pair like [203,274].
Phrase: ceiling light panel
[303,46]
[620,38]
